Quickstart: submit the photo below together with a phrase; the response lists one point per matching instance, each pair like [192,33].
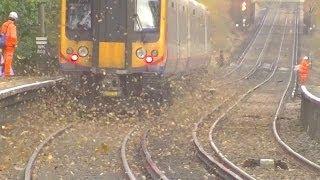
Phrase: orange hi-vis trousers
[8,58]
[303,78]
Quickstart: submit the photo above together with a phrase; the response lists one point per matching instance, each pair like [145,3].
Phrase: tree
[28,25]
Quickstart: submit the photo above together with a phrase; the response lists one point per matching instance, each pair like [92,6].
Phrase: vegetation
[28,26]
[222,22]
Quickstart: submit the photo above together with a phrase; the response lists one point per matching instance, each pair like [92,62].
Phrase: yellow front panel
[75,45]
[83,61]
[112,55]
[160,45]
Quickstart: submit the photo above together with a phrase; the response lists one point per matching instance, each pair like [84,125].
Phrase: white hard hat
[13,15]
[306,58]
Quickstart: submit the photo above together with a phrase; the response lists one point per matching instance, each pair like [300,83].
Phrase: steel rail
[38,150]
[295,87]
[255,67]
[152,167]
[219,168]
[287,148]
[244,54]
[125,163]
[221,156]
[205,157]
[248,48]
[155,172]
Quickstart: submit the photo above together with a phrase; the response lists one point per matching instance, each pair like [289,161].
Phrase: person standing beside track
[221,59]
[303,70]
[9,29]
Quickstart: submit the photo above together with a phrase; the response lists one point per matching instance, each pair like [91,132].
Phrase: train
[243,13]
[132,47]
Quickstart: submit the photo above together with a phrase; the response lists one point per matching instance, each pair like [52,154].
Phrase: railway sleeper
[265,163]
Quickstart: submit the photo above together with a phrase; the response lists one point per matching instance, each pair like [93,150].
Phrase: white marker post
[41,43]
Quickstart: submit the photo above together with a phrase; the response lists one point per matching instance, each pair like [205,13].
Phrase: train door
[183,36]
[109,34]
[172,38]
[178,24]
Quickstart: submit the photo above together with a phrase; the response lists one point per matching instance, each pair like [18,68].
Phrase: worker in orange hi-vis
[9,29]
[303,69]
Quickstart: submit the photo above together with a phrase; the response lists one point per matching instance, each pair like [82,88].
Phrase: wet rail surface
[172,171]
[228,164]
[15,122]
[83,149]
[158,161]
[149,164]
[279,39]
[28,137]
[237,124]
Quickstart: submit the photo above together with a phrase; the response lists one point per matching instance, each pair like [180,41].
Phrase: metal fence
[310,113]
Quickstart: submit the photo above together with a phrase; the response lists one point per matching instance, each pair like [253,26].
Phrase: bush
[28,27]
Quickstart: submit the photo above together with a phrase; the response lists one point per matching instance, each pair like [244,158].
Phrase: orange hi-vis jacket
[10,30]
[304,69]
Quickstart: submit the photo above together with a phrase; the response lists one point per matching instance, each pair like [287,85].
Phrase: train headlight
[74,57]
[141,53]
[154,53]
[83,51]
[69,51]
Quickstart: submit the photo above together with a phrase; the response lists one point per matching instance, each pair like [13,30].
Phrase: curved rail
[220,170]
[125,163]
[250,45]
[152,167]
[259,59]
[221,156]
[35,154]
[286,147]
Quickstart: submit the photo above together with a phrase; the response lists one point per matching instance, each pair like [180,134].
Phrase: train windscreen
[79,25]
[148,15]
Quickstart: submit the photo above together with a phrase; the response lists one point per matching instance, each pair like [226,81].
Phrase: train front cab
[118,41]
[243,13]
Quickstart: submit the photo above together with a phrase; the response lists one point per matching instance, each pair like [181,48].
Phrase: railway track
[225,165]
[73,152]
[27,117]
[291,85]
[149,164]
[17,118]
[86,147]
[252,41]
[155,171]
[222,164]
[254,68]
[39,149]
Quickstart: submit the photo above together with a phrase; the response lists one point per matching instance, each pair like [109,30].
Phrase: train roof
[197,4]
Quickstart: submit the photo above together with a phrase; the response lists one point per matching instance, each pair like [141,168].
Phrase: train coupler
[111,86]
